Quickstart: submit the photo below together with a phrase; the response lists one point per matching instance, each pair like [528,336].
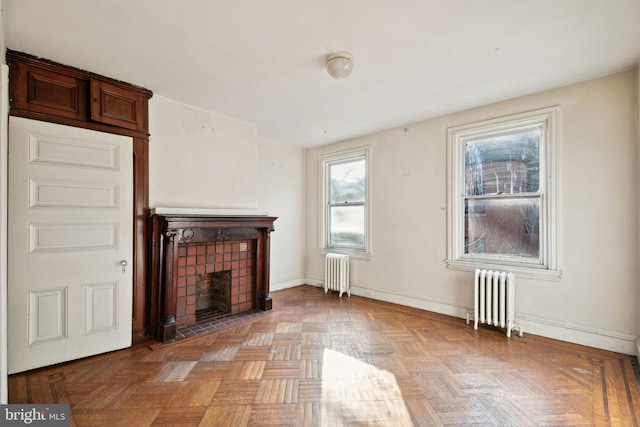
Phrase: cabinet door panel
[48,92]
[117,106]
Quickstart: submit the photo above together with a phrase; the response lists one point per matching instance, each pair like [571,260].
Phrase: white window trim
[324,162]
[546,119]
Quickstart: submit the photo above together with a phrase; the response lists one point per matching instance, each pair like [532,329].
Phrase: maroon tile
[181,311]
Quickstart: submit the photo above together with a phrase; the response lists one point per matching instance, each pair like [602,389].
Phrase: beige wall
[201,159]
[595,302]
[281,193]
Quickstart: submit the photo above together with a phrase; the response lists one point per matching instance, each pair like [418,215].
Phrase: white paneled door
[70,243]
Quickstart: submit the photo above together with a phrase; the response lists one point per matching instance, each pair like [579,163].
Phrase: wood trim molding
[44,90]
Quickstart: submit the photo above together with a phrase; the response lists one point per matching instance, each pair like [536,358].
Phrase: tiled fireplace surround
[196,260]
[185,247]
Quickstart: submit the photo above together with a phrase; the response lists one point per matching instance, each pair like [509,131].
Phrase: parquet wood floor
[320,360]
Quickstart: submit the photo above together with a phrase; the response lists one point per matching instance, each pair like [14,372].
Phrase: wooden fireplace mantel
[168,231]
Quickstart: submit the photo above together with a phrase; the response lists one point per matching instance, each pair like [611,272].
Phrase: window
[502,195]
[345,201]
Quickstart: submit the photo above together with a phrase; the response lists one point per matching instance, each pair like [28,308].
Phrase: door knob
[123,263]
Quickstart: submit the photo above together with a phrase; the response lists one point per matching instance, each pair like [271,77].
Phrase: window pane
[347,226]
[347,182]
[503,227]
[503,164]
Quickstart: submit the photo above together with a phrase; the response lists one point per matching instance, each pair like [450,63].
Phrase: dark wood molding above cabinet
[41,89]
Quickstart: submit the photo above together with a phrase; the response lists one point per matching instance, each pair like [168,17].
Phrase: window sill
[525,272]
[355,254]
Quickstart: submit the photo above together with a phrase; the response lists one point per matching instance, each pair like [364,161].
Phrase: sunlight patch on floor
[359,392]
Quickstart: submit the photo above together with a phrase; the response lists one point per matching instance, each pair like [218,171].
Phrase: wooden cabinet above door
[41,87]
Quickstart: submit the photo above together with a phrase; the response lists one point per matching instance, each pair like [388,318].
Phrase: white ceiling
[263,61]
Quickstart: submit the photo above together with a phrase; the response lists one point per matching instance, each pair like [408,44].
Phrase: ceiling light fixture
[339,65]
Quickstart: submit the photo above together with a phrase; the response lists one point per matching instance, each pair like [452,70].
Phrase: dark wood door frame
[44,90]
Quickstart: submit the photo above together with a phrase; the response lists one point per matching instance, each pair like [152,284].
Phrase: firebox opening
[213,293]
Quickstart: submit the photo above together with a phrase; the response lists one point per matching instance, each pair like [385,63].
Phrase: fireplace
[202,263]
[213,292]
[217,275]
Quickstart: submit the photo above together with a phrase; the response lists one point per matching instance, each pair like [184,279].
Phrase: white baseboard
[286,282]
[442,307]
[579,334]
[573,333]
[437,306]
[315,281]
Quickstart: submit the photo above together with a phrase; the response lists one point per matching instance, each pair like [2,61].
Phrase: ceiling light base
[339,65]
